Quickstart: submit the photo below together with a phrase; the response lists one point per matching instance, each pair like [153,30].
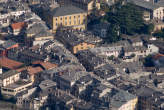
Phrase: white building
[152,10]
[107,51]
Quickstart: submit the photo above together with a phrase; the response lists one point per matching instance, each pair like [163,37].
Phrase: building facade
[68,17]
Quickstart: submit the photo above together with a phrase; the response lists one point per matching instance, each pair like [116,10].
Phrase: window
[65,18]
[78,16]
[70,23]
[65,23]
[60,18]
[70,17]
[74,16]
[74,22]
[56,19]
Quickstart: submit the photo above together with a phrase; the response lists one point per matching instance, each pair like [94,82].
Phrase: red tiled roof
[34,70]
[45,65]
[21,69]
[10,64]
[18,25]
[157,56]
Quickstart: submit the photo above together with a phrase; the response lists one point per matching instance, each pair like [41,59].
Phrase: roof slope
[68,10]
[10,64]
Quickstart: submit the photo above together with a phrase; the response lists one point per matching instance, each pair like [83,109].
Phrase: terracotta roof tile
[45,65]
[18,25]
[10,64]
[34,70]
[157,56]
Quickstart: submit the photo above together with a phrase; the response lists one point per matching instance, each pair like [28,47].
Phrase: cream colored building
[9,77]
[17,87]
[68,16]
[124,101]
[130,105]
[12,84]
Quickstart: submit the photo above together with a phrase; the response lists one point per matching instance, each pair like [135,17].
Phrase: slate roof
[8,44]
[47,84]
[8,74]
[83,1]
[121,98]
[144,4]
[36,28]
[73,76]
[67,10]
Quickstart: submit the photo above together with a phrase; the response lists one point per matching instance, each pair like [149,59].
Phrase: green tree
[113,34]
[159,34]
[111,57]
[148,61]
[128,17]
[150,28]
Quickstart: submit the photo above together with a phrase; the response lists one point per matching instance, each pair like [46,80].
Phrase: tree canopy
[159,34]
[125,19]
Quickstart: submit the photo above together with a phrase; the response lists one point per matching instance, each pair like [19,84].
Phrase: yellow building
[158,25]
[81,46]
[73,42]
[68,16]
[87,5]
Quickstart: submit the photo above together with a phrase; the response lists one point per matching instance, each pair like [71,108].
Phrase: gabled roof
[10,64]
[8,44]
[120,98]
[18,25]
[66,10]
[45,65]
[144,4]
[8,74]
[83,1]
[36,28]
[34,70]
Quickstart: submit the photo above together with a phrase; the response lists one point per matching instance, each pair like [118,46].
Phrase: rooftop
[144,4]
[67,10]
[47,84]
[45,65]
[8,74]
[34,70]
[9,64]
[18,25]
[121,98]
[73,76]
[8,44]
[18,84]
